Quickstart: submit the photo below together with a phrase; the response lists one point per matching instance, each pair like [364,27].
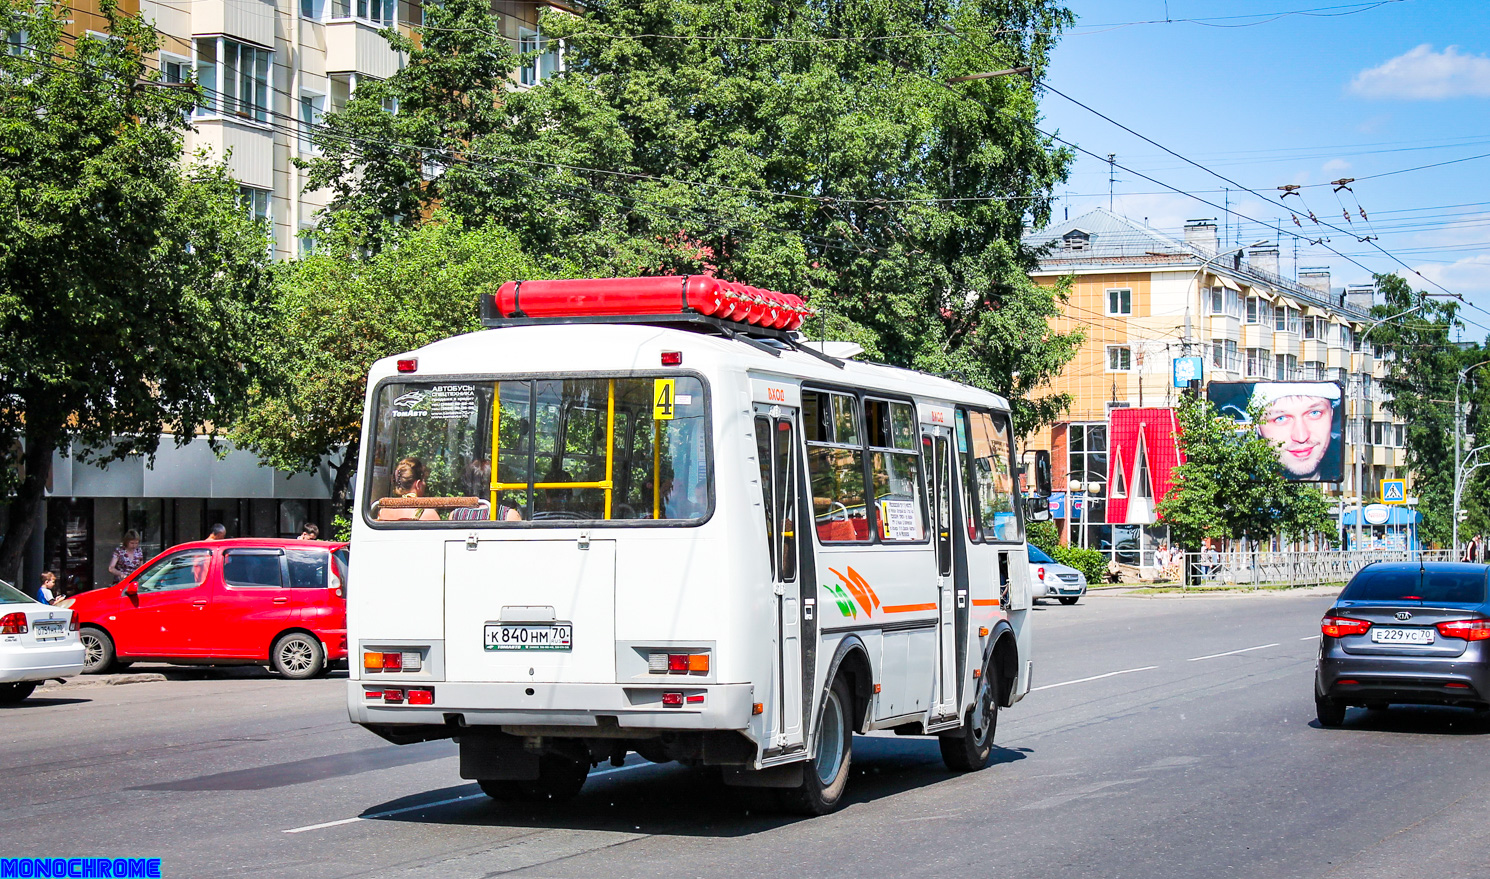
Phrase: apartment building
[1143,299]
[269,70]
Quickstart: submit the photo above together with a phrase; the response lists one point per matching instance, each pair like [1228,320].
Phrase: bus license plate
[555,636]
[1401,636]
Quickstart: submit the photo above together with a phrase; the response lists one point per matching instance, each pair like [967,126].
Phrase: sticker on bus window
[663,399]
[900,520]
[452,401]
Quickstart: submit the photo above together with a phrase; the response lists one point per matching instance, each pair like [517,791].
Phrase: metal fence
[1259,569]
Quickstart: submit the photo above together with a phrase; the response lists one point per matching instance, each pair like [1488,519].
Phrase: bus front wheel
[967,749]
[825,776]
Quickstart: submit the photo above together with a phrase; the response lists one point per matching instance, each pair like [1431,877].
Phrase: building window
[313,9]
[256,202]
[1218,300]
[1119,358]
[244,89]
[1218,354]
[379,12]
[1253,308]
[544,58]
[1287,366]
[1259,363]
[312,111]
[15,42]
[1120,302]
[307,242]
[1076,240]
[1400,435]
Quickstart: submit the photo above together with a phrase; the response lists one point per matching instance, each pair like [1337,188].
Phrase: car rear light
[1349,682]
[1339,627]
[72,622]
[336,586]
[421,696]
[408,365]
[1040,572]
[393,696]
[13,624]
[1469,630]
[672,700]
[1457,686]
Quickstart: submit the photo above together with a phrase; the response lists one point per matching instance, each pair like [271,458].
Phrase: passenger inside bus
[477,482]
[407,480]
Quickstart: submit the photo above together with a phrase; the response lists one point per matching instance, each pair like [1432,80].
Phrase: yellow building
[1144,299]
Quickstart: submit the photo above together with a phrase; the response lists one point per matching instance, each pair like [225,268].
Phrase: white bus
[579,537]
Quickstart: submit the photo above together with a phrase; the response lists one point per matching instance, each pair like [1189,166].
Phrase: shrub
[1045,536]
[1091,562]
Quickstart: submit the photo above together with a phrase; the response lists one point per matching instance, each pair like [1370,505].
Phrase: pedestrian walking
[127,556]
[218,532]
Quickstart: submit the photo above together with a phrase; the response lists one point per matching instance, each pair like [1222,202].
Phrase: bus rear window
[566,450]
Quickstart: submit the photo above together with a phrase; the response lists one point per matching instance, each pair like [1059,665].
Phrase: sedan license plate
[1401,636]
[547,636]
[49,629]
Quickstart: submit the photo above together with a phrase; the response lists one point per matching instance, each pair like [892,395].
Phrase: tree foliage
[811,148]
[338,311]
[1232,486]
[129,286]
[1421,380]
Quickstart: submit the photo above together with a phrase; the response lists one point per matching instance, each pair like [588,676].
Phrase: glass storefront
[1086,462]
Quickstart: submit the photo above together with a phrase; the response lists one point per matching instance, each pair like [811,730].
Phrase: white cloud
[1424,74]
[1334,166]
[1469,276]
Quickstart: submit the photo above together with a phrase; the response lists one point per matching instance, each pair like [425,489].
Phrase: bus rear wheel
[825,776]
[967,749]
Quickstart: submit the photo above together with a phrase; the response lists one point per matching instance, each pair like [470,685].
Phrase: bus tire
[825,774]
[968,748]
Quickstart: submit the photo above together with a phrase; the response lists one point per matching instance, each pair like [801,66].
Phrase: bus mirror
[1036,509]
[1042,473]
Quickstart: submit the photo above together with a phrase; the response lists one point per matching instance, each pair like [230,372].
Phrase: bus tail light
[410,364]
[1339,627]
[672,358]
[678,663]
[1469,630]
[672,700]
[13,624]
[393,696]
[421,695]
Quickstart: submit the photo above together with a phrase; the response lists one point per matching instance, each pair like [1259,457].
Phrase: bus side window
[764,455]
[784,442]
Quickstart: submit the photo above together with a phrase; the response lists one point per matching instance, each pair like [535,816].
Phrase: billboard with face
[1305,420]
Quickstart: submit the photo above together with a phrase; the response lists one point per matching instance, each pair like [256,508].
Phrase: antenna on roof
[1111,177]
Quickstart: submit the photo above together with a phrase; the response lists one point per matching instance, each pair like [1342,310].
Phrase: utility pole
[1459,444]
[1358,453]
[1111,177]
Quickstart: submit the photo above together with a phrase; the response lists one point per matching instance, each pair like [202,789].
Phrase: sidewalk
[1150,590]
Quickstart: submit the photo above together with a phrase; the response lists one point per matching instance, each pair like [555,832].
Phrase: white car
[38,642]
[1051,579]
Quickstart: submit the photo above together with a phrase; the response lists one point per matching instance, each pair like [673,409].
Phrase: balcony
[248,147]
[354,46]
[251,21]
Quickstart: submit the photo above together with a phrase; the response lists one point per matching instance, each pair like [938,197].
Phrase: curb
[81,681]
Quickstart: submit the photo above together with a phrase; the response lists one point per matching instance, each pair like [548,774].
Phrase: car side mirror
[1036,509]
[129,588]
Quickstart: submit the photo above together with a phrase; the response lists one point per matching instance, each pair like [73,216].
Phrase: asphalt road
[1167,738]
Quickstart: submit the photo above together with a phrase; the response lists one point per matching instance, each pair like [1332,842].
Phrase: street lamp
[1458,443]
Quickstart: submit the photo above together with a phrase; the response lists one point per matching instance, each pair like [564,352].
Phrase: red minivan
[224,602]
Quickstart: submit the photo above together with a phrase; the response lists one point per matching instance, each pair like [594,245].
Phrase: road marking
[402,810]
[1310,638]
[1231,652]
[1094,678]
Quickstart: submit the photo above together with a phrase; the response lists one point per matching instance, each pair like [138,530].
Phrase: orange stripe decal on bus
[907,608]
[853,586]
[985,602]
[864,584]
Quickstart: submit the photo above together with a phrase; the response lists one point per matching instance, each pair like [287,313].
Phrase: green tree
[129,287]
[811,148]
[338,311]
[1232,486]
[1423,371]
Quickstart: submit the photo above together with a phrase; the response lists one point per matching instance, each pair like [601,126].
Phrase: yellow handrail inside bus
[607,485]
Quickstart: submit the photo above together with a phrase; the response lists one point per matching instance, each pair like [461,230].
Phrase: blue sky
[1351,90]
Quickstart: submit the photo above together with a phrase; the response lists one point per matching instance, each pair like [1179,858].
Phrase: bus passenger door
[937,452]
[775,438]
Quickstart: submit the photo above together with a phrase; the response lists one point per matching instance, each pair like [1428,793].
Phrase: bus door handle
[808,605]
[962,598]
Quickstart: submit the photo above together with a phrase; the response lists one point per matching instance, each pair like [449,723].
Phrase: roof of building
[1112,241]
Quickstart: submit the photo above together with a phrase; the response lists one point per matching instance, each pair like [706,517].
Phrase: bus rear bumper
[585,707]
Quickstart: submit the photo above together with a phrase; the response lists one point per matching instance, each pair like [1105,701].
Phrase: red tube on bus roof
[603,297]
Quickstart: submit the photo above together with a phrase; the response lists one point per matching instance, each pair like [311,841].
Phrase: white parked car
[38,642]
[1051,579]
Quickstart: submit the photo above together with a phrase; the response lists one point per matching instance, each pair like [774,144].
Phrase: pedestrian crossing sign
[1394,491]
